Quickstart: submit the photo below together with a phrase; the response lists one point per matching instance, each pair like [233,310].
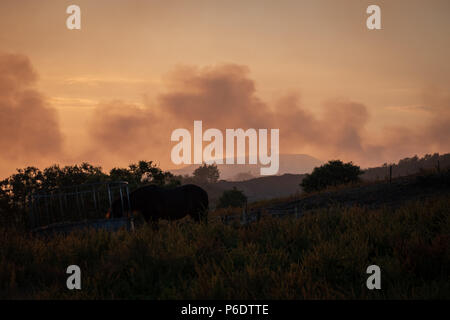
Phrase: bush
[232,198]
[206,174]
[331,174]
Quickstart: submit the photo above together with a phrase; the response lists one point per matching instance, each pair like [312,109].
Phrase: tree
[55,177]
[232,198]
[332,173]
[15,190]
[206,174]
[142,173]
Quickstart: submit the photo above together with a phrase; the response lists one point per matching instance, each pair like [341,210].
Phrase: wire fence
[77,203]
[255,215]
[86,205]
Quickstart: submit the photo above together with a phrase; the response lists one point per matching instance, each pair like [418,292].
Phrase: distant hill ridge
[289,163]
[259,188]
[408,166]
[284,185]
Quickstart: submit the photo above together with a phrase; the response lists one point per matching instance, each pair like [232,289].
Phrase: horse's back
[194,194]
[159,203]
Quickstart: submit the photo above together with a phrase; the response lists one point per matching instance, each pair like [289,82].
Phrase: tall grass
[323,255]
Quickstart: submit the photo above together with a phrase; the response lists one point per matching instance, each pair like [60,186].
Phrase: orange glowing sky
[112,92]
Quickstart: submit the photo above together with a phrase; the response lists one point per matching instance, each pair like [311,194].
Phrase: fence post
[121,201]
[78,203]
[390,174]
[244,217]
[128,198]
[296,213]
[132,224]
[109,196]
[47,212]
[61,206]
[83,207]
[32,217]
[95,198]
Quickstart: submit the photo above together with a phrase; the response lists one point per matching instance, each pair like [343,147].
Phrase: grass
[322,255]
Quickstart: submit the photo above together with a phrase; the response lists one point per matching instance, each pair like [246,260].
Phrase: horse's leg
[204,216]
[194,216]
[200,215]
[155,223]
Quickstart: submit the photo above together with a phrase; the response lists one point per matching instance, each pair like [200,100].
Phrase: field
[322,255]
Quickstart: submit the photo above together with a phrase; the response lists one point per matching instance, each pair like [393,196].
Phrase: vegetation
[142,173]
[233,198]
[16,189]
[206,174]
[321,255]
[333,173]
[408,166]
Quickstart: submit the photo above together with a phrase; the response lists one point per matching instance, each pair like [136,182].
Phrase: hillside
[318,256]
[408,166]
[259,188]
[376,194]
[264,188]
[289,163]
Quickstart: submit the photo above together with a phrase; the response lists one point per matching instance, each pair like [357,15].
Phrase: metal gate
[77,203]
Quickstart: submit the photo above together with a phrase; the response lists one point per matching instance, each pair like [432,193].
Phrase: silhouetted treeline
[15,190]
[408,166]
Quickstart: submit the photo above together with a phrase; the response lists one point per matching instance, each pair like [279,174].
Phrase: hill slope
[259,188]
[376,194]
[289,163]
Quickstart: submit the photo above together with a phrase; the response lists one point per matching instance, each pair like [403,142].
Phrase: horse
[155,203]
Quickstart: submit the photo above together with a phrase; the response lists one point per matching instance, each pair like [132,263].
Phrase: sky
[112,93]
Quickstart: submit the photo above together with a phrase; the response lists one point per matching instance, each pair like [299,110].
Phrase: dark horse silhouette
[155,203]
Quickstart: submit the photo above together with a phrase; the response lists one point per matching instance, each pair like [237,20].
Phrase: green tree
[232,198]
[206,174]
[333,173]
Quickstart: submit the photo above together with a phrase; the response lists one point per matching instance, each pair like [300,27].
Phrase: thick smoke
[29,128]
[225,97]
[222,97]
[437,132]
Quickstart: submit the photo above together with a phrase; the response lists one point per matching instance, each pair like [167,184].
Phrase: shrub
[206,174]
[333,173]
[232,198]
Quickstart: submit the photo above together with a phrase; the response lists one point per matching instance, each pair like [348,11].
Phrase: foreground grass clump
[324,254]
